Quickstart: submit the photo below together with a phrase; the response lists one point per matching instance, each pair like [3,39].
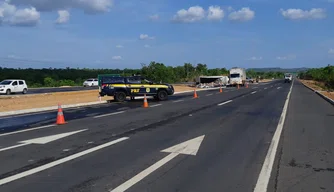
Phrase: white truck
[237,76]
[287,78]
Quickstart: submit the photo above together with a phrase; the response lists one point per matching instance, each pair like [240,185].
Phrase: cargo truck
[237,76]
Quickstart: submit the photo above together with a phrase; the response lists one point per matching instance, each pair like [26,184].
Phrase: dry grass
[265,80]
[318,86]
[52,99]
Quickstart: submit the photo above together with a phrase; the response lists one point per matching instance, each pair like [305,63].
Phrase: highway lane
[237,135]
[305,159]
[25,121]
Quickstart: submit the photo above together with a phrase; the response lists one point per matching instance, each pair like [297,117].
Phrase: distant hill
[288,70]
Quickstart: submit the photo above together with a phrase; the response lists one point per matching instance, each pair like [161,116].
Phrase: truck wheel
[8,92]
[162,95]
[120,96]
[24,91]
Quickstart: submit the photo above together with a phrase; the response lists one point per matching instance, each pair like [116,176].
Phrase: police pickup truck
[122,87]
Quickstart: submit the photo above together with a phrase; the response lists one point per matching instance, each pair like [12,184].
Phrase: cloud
[331,51]
[145,37]
[193,14]
[116,57]
[255,59]
[9,14]
[288,57]
[215,13]
[299,14]
[147,46]
[64,17]
[242,15]
[119,46]
[154,17]
[89,6]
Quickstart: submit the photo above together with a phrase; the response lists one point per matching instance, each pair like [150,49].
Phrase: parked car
[9,86]
[249,80]
[91,82]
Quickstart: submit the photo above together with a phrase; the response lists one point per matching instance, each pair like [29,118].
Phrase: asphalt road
[59,89]
[228,138]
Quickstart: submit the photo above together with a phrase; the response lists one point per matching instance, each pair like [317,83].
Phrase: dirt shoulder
[318,86]
[19,102]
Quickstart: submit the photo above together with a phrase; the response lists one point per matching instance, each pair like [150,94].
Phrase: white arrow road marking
[58,162]
[189,147]
[42,140]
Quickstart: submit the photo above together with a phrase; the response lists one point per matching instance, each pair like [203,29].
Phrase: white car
[91,82]
[9,86]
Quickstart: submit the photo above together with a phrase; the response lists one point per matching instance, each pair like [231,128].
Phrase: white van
[9,86]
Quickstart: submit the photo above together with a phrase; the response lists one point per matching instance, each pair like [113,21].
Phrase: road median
[41,102]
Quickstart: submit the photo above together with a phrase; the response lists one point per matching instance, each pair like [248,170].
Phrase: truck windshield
[236,75]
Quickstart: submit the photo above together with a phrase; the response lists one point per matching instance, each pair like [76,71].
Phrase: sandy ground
[19,102]
[318,87]
[265,80]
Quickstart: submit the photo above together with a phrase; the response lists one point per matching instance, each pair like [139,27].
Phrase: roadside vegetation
[53,77]
[322,77]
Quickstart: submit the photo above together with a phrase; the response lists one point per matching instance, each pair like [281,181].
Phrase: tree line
[53,77]
[324,75]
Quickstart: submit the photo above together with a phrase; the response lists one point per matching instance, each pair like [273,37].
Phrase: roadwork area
[264,138]
[20,102]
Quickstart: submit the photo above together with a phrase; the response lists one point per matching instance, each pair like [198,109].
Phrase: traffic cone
[195,94]
[220,89]
[60,116]
[145,102]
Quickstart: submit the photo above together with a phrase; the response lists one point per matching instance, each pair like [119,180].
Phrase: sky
[128,33]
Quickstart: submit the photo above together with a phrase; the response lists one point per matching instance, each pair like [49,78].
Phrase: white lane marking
[32,129]
[279,87]
[189,147]
[15,146]
[253,92]
[220,104]
[60,161]
[177,101]
[109,114]
[209,94]
[263,180]
[43,140]
[266,88]
[155,105]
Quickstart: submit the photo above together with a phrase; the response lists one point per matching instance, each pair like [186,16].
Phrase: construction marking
[58,162]
[220,104]
[109,114]
[263,180]
[155,105]
[177,101]
[31,129]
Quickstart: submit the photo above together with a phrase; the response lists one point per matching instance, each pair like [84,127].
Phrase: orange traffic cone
[220,89]
[145,102]
[195,94]
[60,116]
